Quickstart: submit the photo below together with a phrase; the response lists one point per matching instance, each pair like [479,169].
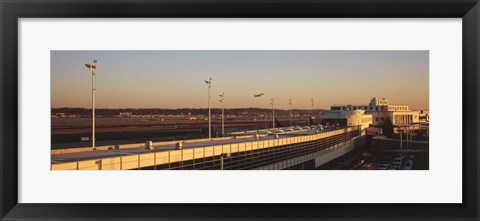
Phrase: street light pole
[408,137]
[209,83]
[273,112]
[265,115]
[221,161]
[313,112]
[401,141]
[93,110]
[223,115]
[93,69]
[290,103]
[222,157]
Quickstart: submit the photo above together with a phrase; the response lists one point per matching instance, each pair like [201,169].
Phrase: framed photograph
[256,110]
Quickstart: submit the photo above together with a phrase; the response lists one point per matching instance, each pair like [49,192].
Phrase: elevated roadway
[239,152]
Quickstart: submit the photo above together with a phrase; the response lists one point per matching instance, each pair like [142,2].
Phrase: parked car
[408,165]
[397,163]
[383,166]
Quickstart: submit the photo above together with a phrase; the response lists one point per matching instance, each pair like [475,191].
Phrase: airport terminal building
[347,118]
[380,110]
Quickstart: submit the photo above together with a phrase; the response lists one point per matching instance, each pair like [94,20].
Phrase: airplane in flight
[209,82]
[258,95]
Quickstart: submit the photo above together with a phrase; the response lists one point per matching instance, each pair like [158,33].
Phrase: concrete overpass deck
[66,156]
[204,153]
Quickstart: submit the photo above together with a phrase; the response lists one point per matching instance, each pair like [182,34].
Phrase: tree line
[184,111]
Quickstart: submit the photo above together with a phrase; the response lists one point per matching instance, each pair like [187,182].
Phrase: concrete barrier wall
[339,151]
[174,156]
[141,145]
[321,157]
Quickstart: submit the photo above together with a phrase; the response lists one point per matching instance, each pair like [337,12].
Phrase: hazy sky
[175,79]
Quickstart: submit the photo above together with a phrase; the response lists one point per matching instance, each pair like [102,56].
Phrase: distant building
[61,115]
[347,118]
[380,109]
[64,115]
[424,116]
[125,114]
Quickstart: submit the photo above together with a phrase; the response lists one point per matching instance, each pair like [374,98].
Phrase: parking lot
[363,159]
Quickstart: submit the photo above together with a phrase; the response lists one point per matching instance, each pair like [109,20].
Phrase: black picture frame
[11,11]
